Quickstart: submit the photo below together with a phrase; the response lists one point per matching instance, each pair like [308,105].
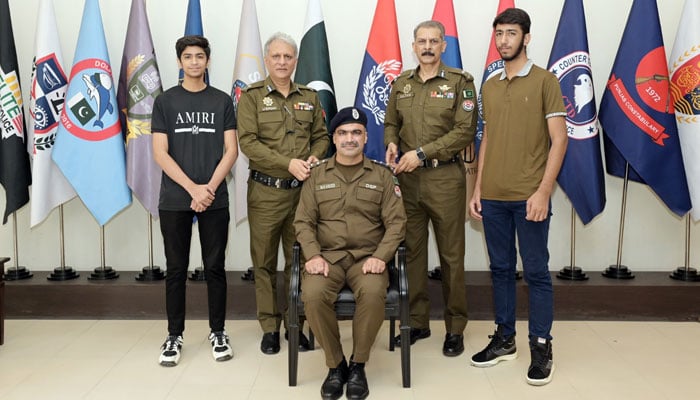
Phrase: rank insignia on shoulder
[317,163]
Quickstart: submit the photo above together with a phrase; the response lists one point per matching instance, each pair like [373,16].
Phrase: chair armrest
[403,282]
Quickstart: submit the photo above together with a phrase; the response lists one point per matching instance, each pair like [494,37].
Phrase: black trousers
[176,227]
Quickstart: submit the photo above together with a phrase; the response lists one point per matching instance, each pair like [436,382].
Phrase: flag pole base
[618,272]
[198,275]
[572,274]
[685,274]
[249,275]
[17,273]
[103,274]
[63,274]
[150,274]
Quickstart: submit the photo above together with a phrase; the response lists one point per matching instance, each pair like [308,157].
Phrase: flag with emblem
[89,148]
[494,66]
[47,97]
[193,26]
[581,174]
[15,174]
[249,67]
[139,85]
[314,65]
[381,65]
[685,95]
[636,113]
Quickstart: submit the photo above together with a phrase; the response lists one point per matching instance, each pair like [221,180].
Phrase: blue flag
[89,148]
[193,26]
[381,65]
[637,115]
[581,174]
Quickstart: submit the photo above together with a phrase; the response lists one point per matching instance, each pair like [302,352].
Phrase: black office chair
[396,308]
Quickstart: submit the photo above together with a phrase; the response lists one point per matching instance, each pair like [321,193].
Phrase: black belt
[279,183]
[434,162]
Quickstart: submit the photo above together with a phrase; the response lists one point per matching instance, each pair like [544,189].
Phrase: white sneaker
[170,351]
[220,348]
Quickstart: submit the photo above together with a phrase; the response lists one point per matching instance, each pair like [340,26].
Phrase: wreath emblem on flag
[377,87]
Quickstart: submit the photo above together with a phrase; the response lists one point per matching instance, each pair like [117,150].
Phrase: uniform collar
[366,163]
[523,72]
[442,72]
[270,86]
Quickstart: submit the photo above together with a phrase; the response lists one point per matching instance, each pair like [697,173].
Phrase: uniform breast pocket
[369,198]
[330,202]
[304,119]
[270,122]
[438,109]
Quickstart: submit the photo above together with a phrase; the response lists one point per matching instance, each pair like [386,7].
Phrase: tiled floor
[117,359]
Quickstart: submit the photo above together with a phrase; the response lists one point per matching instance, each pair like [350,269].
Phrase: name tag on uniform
[326,186]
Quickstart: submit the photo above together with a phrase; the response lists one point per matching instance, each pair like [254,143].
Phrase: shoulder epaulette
[255,85]
[304,87]
[382,163]
[317,163]
[465,74]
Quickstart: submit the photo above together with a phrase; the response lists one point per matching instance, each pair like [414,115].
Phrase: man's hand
[311,160]
[299,168]
[537,207]
[475,205]
[202,197]
[373,265]
[408,162]
[317,265]
[391,153]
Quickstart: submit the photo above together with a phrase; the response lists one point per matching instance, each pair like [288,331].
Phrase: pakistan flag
[314,66]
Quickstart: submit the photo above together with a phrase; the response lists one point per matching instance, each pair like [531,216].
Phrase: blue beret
[348,115]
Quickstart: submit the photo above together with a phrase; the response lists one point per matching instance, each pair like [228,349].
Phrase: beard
[515,55]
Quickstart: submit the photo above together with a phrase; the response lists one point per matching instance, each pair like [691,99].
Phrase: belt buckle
[294,183]
[435,162]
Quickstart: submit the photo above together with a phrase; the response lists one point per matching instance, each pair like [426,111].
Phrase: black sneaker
[220,347]
[500,348]
[170,351]
[541,362]
[332,388]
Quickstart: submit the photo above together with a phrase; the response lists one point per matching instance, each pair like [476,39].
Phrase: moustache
[350,144]
[427,53]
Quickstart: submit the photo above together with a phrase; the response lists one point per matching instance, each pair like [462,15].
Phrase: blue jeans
[502,219]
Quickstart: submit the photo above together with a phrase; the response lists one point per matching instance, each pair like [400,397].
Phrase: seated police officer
[349,222]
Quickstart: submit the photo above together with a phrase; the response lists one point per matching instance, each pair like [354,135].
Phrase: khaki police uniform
[347,221]
[273,130]
[438,115]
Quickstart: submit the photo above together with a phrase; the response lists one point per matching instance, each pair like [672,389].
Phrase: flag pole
[572,272]
[150,273]
[16,273]
[619,271]
[62,273]
[686,273]
[103,272]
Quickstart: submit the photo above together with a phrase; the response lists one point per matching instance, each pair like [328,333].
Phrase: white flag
[48,91]
[249,68]
[685,92]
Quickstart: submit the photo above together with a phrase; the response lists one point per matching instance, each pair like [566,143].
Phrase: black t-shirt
[195,123]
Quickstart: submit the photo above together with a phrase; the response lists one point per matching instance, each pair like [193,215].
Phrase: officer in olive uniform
[349,222]
[282,131]
[430,118]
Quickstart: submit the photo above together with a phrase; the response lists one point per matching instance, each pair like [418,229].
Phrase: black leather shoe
[416,334]
[303,341]
[332,387]
[454,345]
[270,343]
[357,382]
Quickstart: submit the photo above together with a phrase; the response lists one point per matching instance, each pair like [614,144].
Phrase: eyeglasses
[433,42]
[355,132]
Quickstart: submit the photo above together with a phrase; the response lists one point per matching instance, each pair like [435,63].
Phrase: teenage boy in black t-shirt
[194,142]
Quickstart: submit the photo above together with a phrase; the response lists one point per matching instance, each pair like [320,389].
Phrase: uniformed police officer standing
[282,131]
[430,118]
[349,223]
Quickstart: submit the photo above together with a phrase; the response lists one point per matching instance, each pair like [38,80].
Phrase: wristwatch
[420,154]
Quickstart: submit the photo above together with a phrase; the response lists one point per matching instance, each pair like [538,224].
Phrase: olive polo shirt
[515,114]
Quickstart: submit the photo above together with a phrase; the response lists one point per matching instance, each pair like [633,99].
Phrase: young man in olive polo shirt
[521,153]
